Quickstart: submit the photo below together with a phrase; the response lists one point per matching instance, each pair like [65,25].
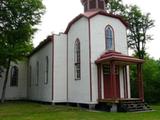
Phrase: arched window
[14,76]
[1,71]
[77,59]
[85,6]
[37,77]
[46,70]
[101,4]
[30,76]
[92,4]
[109,38]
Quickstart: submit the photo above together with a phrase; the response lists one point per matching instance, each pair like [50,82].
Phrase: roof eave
[41,45]
[127,60]
[101,12]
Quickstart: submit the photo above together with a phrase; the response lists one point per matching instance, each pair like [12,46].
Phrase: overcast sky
[60,12]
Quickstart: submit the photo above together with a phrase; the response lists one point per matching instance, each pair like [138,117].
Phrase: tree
[17,26]
[115,7]
[151,76]
[139,25]
[151,71]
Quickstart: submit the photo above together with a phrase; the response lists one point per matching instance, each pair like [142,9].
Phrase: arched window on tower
[85,6]
[14,76]
[101,4]
[109,37]
[77,60]
[92,4]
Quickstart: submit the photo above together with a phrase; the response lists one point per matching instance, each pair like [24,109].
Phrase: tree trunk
[5,83]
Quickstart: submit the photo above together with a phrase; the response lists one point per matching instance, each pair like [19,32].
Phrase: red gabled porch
[108,66]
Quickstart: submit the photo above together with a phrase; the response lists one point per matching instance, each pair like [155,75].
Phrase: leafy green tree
[151,71]
[139,25]
[151,76]
[115,7]
[17,26]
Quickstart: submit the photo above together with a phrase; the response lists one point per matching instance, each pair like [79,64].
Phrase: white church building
[87,64]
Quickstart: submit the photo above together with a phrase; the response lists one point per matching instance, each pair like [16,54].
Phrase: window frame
[30,75]
[101,4]
[92,4]
[46,70]
[37,73]
[85,6]
[14,79]
[111,37]
[77,60]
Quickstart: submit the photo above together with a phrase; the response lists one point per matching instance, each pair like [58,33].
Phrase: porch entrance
[113,73]
[107,81]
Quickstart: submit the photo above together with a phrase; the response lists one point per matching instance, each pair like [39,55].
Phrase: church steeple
[93,5]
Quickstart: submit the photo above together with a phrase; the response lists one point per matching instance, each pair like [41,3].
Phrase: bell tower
[93,5]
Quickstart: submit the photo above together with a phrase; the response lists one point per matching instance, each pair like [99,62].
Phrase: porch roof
[118,57]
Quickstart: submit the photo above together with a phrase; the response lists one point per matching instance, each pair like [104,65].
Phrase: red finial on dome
[93,4]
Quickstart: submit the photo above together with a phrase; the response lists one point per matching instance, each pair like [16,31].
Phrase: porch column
[99,81]
[140,81]
[113,80]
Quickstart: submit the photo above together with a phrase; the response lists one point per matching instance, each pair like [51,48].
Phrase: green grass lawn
[35,111]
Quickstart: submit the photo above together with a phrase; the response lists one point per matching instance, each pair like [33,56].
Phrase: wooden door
[107,81]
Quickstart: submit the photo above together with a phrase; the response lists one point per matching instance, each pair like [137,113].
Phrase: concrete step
[133,106]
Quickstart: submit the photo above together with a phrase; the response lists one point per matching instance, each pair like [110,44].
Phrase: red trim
[117,56]
[67,67]
[93,13]
[101,12]
[90,70]
[99,82]
[113,79]
[72,22]
[117,79]
[52,67]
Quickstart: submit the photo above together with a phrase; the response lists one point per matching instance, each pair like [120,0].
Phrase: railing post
[113,80]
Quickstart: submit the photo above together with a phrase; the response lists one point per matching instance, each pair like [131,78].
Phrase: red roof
[92,13]
[117,56]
